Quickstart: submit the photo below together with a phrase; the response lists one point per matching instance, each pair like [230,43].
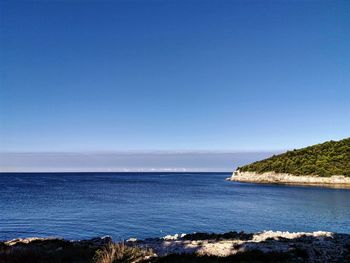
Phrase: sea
[142,205]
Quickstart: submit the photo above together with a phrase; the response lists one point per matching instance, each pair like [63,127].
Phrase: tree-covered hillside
[326,159]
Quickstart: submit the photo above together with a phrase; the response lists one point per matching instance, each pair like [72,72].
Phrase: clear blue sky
[173,75]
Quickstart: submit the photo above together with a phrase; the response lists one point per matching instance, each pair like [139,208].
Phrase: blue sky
[87,76]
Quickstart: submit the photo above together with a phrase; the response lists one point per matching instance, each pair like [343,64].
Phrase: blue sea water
[123,205]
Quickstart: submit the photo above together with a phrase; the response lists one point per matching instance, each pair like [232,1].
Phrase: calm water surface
[123,205]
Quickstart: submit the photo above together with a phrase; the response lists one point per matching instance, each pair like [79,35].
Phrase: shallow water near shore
[123,205]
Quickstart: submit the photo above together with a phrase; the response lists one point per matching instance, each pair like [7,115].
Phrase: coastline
[337,181]
[269,246]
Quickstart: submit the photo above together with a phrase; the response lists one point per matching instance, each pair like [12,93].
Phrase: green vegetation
[326,159]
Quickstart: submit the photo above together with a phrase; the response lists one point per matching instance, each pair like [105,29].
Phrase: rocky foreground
[284,178]
[267,246]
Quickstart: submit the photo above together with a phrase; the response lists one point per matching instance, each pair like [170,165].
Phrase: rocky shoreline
[284,178]
[268,246]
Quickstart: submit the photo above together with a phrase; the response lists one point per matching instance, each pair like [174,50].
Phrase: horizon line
[147,152]
[108,172]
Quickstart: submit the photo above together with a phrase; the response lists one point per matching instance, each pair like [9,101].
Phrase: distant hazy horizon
[152,161]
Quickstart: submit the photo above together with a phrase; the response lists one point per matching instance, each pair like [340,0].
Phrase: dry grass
[121,253]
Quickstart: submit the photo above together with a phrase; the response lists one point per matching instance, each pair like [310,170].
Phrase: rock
[94,242]
[284,178]
[318,246]
[303,246]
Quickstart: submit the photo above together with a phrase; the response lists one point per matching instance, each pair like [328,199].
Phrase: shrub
[326,159]
[121,253]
